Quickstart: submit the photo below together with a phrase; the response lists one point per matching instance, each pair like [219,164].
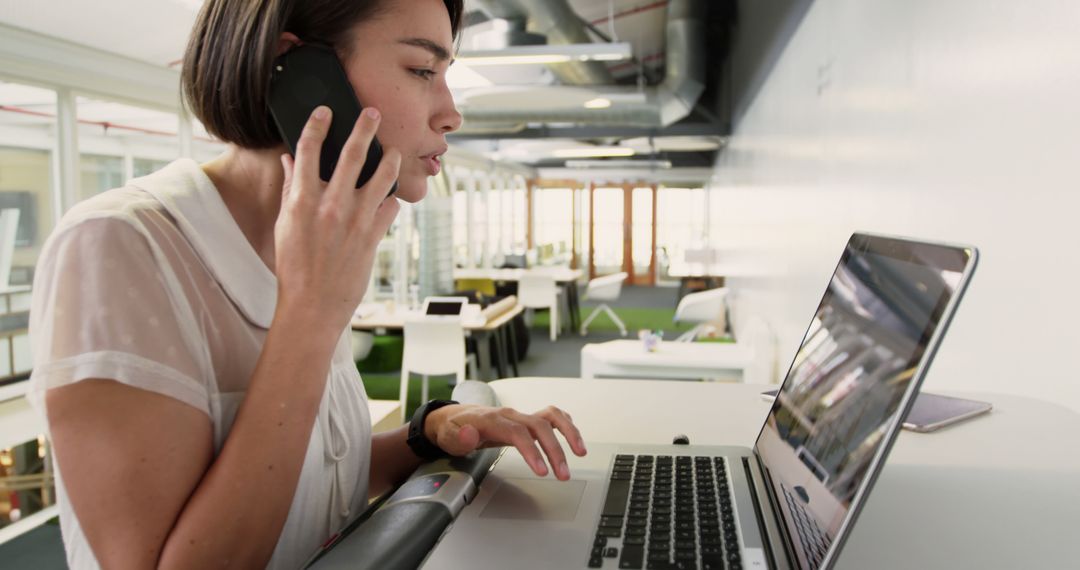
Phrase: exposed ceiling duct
[508,108]
[529,21]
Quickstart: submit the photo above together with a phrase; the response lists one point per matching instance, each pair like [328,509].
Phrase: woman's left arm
[461,428]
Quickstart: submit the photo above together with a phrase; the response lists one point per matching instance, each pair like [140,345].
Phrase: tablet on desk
[444,306]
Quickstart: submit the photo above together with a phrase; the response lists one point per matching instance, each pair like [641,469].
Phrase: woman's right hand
[327,233]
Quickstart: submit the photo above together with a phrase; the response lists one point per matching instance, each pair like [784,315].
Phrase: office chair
[703,307]
[606,288]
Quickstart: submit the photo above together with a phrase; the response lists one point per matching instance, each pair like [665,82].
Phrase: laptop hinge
[768,514]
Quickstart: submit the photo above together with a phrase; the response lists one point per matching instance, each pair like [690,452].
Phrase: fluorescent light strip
[620,164]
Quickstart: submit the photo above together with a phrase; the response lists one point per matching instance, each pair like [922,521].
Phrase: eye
[423,73]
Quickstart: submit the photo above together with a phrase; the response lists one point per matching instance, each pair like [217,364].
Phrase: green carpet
[387,387]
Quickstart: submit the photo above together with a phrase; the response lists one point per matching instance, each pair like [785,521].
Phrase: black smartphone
[304,78]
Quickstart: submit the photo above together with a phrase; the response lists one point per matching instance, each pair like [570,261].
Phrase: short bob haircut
[225,78]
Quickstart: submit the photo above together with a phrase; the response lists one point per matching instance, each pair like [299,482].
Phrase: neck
[250,183]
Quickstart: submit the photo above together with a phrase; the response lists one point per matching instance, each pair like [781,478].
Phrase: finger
[354,153]
[542,431]
[287,168]
[565,424]
[385,215]
[521,438]
[309,147]
[378,187]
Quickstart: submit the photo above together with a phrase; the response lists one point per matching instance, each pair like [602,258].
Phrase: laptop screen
[836,413]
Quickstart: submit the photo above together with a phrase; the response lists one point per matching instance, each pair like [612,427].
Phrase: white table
[479,328]
[998,491]
[566,278]
[686,360]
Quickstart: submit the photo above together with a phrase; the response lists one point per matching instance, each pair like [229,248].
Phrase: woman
[191,329]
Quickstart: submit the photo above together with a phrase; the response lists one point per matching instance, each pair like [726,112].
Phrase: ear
[287,41]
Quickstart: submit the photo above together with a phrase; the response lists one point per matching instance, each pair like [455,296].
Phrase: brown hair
[226,68]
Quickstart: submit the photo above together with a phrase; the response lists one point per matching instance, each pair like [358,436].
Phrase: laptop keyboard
[814,541]
[669,513]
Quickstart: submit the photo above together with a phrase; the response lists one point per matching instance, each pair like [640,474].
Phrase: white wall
[952,120]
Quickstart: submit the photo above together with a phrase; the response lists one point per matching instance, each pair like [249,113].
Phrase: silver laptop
[787,503]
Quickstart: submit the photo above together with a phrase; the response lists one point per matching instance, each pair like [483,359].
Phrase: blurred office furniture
[670,360]
[362,342]
[606,288]
[433,346]
[385,415]
[390,318]
[500,315]
[485,287]
[538,291]
[702,308]
[565,277]
[9,225]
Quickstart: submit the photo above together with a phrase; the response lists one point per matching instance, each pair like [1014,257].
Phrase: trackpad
[535,499]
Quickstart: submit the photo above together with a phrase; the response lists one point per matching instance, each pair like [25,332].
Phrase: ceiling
[155,31]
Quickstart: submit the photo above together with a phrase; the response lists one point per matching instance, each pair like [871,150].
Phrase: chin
[412,188]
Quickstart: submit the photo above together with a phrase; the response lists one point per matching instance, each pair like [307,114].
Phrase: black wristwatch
[423,447]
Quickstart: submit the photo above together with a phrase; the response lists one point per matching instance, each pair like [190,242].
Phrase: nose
[446,118]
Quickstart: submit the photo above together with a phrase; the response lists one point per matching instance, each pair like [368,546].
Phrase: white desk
[999,491]
[686,360]
[567,278]
[479,328]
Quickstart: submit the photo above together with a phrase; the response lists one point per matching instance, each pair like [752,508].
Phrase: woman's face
[397,64]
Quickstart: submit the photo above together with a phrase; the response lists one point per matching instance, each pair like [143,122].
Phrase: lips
[431,161]
[431,164]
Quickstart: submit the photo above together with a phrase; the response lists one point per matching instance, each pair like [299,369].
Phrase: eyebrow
[441,53]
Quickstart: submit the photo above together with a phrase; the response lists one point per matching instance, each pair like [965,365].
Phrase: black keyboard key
[635,540]
[597,551]
[611,552]
[655,546]
[712,563]
[657,565]
[609,532]
[633,556]
[596,562]
[610,521]
[655,556]
[600,541]
[617,495]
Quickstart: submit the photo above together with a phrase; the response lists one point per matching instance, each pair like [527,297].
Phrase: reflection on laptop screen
[848,379]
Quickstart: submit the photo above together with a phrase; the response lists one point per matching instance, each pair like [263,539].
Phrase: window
[680,225]
[118,142]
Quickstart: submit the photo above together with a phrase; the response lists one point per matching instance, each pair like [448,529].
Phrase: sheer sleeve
[103,308]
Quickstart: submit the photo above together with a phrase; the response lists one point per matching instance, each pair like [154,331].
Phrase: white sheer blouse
[154,285]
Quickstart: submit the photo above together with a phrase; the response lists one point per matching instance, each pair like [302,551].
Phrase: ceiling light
[547,54]
[621,164]
[592,152]
[598,103]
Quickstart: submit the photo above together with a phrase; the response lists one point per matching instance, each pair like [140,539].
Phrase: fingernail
[541,468]
[564,470]
[372,113]
[321,112]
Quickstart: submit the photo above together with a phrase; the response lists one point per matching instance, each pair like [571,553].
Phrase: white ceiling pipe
[664,104]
